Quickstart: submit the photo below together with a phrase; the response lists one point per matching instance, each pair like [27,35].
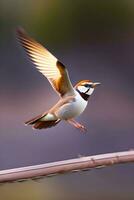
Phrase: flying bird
[73,100]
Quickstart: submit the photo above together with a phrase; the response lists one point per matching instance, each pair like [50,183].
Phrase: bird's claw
[82,128]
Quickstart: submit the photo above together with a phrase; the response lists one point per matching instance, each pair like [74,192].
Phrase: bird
[72,99]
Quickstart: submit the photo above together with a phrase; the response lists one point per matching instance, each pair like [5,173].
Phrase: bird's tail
[38,122]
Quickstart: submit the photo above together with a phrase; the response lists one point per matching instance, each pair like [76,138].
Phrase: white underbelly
[73,109]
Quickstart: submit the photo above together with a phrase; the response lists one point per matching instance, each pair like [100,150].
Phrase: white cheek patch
[82,89]
[90,91]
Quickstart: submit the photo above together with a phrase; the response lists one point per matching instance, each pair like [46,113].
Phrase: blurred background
[95,40]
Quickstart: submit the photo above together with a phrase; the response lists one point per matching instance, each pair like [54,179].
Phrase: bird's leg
[77,125]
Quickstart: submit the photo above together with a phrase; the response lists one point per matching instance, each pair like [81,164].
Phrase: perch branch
[72,165]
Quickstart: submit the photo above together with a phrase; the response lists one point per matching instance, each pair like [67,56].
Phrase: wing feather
[47,64]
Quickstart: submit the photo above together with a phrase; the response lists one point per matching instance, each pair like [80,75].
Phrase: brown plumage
[46,63]
[38,124]
[82,83]
[35,119]
[45,124]
[73,100]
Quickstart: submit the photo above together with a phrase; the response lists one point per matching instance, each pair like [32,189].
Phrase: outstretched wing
[47,64]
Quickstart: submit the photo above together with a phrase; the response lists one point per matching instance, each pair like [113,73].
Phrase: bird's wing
[47,64]
[62,102]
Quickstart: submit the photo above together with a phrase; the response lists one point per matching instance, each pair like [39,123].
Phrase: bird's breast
[72,109]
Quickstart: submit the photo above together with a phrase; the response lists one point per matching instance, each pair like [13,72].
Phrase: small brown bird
[73,100]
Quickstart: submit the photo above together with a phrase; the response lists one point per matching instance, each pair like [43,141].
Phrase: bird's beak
[95,84]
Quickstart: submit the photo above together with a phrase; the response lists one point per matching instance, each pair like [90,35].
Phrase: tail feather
[38,124]
[45,124]
[35,119]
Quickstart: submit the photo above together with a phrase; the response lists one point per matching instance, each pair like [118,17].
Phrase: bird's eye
[87,85]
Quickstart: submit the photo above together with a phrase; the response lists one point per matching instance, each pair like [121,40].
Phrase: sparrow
[73,100]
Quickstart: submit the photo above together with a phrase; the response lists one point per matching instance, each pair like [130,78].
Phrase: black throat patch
[83,95]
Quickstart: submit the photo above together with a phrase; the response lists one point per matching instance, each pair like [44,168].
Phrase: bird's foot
[77,125]
[82,128]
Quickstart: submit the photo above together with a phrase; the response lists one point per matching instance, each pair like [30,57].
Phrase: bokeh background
[95,40]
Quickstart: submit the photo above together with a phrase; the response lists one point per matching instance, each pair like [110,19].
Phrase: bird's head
[86,88]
